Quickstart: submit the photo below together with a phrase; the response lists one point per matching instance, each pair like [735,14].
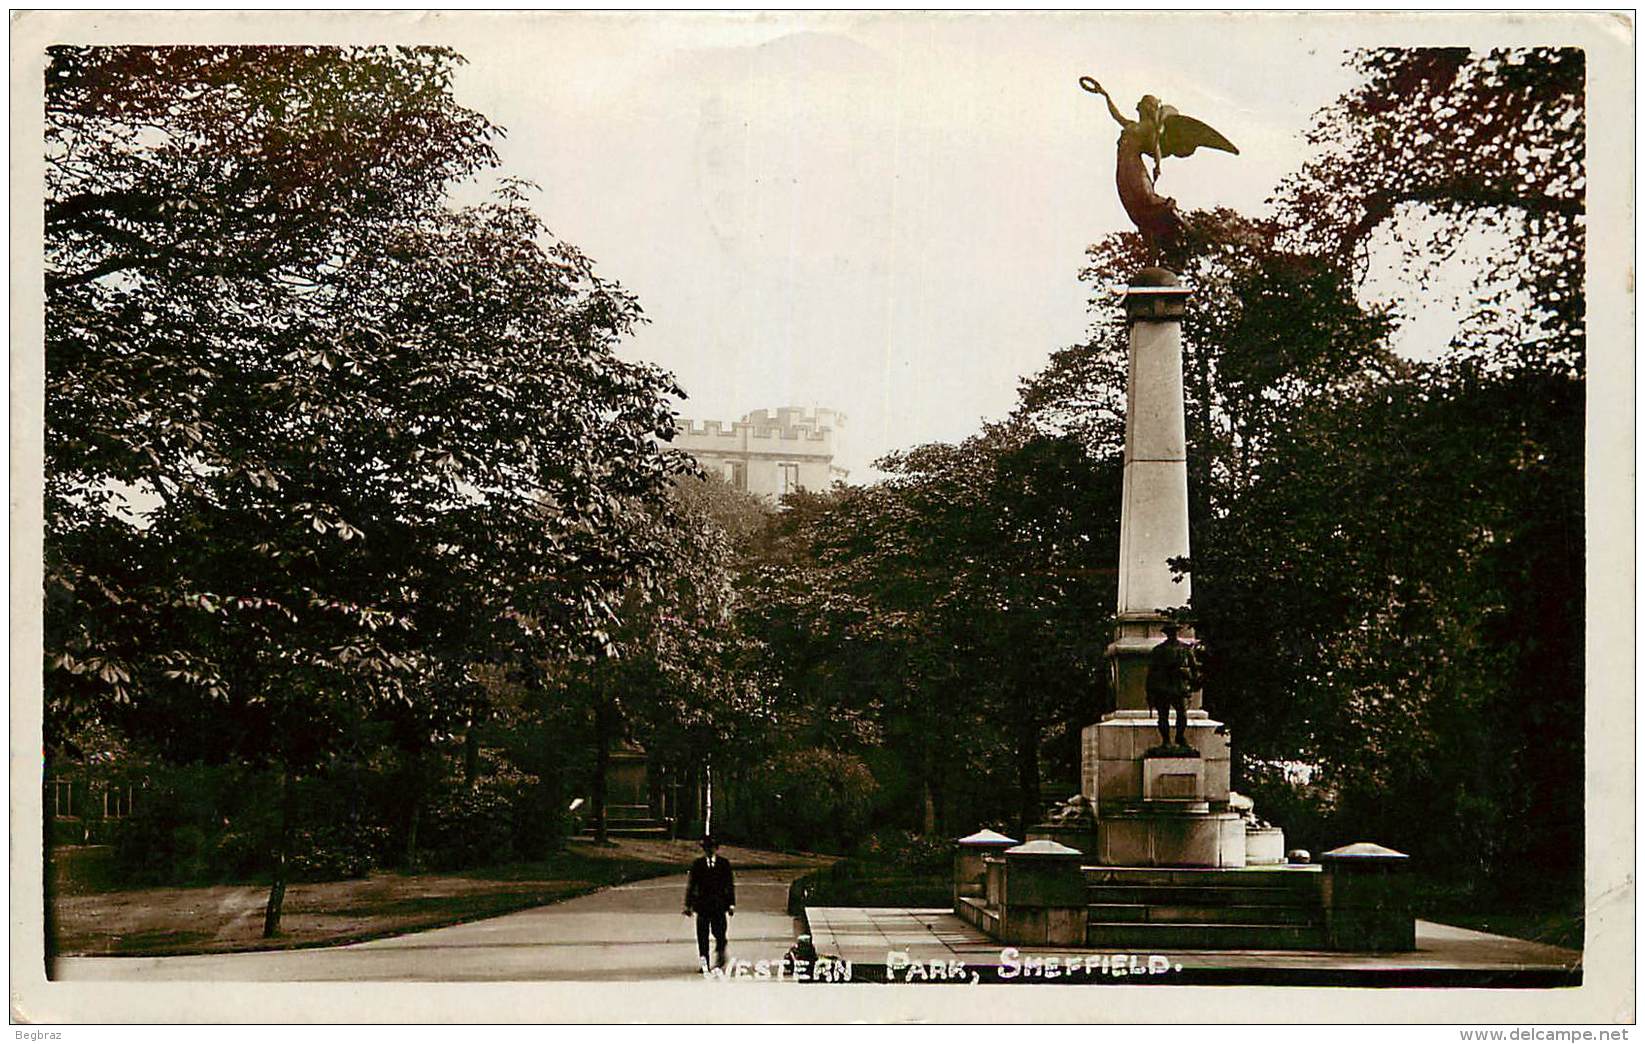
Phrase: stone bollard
[1367,895]
[970,880]
[1044,896]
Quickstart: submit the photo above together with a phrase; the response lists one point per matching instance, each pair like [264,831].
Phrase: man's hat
[709,842]
[1170,627]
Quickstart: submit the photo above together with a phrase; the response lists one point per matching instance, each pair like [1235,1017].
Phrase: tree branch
[1380,206]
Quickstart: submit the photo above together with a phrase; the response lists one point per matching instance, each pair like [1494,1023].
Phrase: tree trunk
[411,832]
[471,755]
[277,889]
[354,785]
[1028,774]
[942,798]
[414,773]
[602,761]
[928,801]
[654,789]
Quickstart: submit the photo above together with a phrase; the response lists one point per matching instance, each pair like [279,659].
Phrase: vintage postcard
[816,517]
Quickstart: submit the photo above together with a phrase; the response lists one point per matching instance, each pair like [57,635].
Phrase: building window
[790,476]
[736,473]
[116,801]
[61,797]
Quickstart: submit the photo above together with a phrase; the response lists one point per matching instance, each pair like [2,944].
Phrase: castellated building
[768,453]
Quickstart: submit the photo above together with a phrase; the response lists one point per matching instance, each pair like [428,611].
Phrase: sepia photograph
[732,516]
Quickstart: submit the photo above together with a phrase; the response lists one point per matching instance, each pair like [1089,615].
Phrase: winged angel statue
[1157,132]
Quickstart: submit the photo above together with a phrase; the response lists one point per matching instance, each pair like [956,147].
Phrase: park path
[627,932]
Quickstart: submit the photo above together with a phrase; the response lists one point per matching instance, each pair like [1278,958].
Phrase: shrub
[809,799]
[211,824]
[240,854]
[330,853]
[907,851]
[470,826]
[1308,812]
[197,825]
[858,882]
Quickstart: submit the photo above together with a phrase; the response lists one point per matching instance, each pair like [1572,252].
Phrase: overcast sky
[881,214]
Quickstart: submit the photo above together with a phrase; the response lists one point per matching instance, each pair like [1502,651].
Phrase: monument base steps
[1143,913]
[1156,937]
[1142,908]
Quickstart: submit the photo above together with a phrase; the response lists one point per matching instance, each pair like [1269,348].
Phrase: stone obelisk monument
[1155,805]
[1154,503]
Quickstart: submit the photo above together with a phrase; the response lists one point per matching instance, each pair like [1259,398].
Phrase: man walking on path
[711,894]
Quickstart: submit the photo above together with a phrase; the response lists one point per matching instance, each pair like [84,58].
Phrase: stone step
[1154,938]
[1138,913]
[630,828]
[1189,895]
[1299,878]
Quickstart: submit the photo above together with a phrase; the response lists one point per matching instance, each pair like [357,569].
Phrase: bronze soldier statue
[1158,131]
[1173,673]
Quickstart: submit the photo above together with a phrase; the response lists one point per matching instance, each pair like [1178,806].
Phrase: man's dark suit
[709,893]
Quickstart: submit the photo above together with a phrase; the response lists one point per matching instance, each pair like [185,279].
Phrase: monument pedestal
[1167,839]
[1160,810]
[1157,804]
[1114,749]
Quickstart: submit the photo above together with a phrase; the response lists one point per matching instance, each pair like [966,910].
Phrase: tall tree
[675,672]
[1437,146]
[955,612]
[315,440]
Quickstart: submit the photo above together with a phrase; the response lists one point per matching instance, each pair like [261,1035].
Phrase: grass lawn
[1539,916]
[226,918]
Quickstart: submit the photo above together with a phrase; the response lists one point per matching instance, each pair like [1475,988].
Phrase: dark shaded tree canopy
[311,433]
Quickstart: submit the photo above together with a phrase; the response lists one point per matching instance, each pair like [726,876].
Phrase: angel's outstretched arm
[1113,110]
[1096,88]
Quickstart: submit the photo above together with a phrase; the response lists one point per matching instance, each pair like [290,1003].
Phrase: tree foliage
[951,616]
[1470,559]
[315,439]
[1491,141]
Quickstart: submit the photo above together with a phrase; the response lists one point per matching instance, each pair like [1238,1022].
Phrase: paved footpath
[627,932]
[915,945]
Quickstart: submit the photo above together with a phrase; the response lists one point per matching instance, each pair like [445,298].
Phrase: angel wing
[1180,135]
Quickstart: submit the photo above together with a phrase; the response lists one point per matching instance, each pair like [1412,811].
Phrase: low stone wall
[1035,894]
